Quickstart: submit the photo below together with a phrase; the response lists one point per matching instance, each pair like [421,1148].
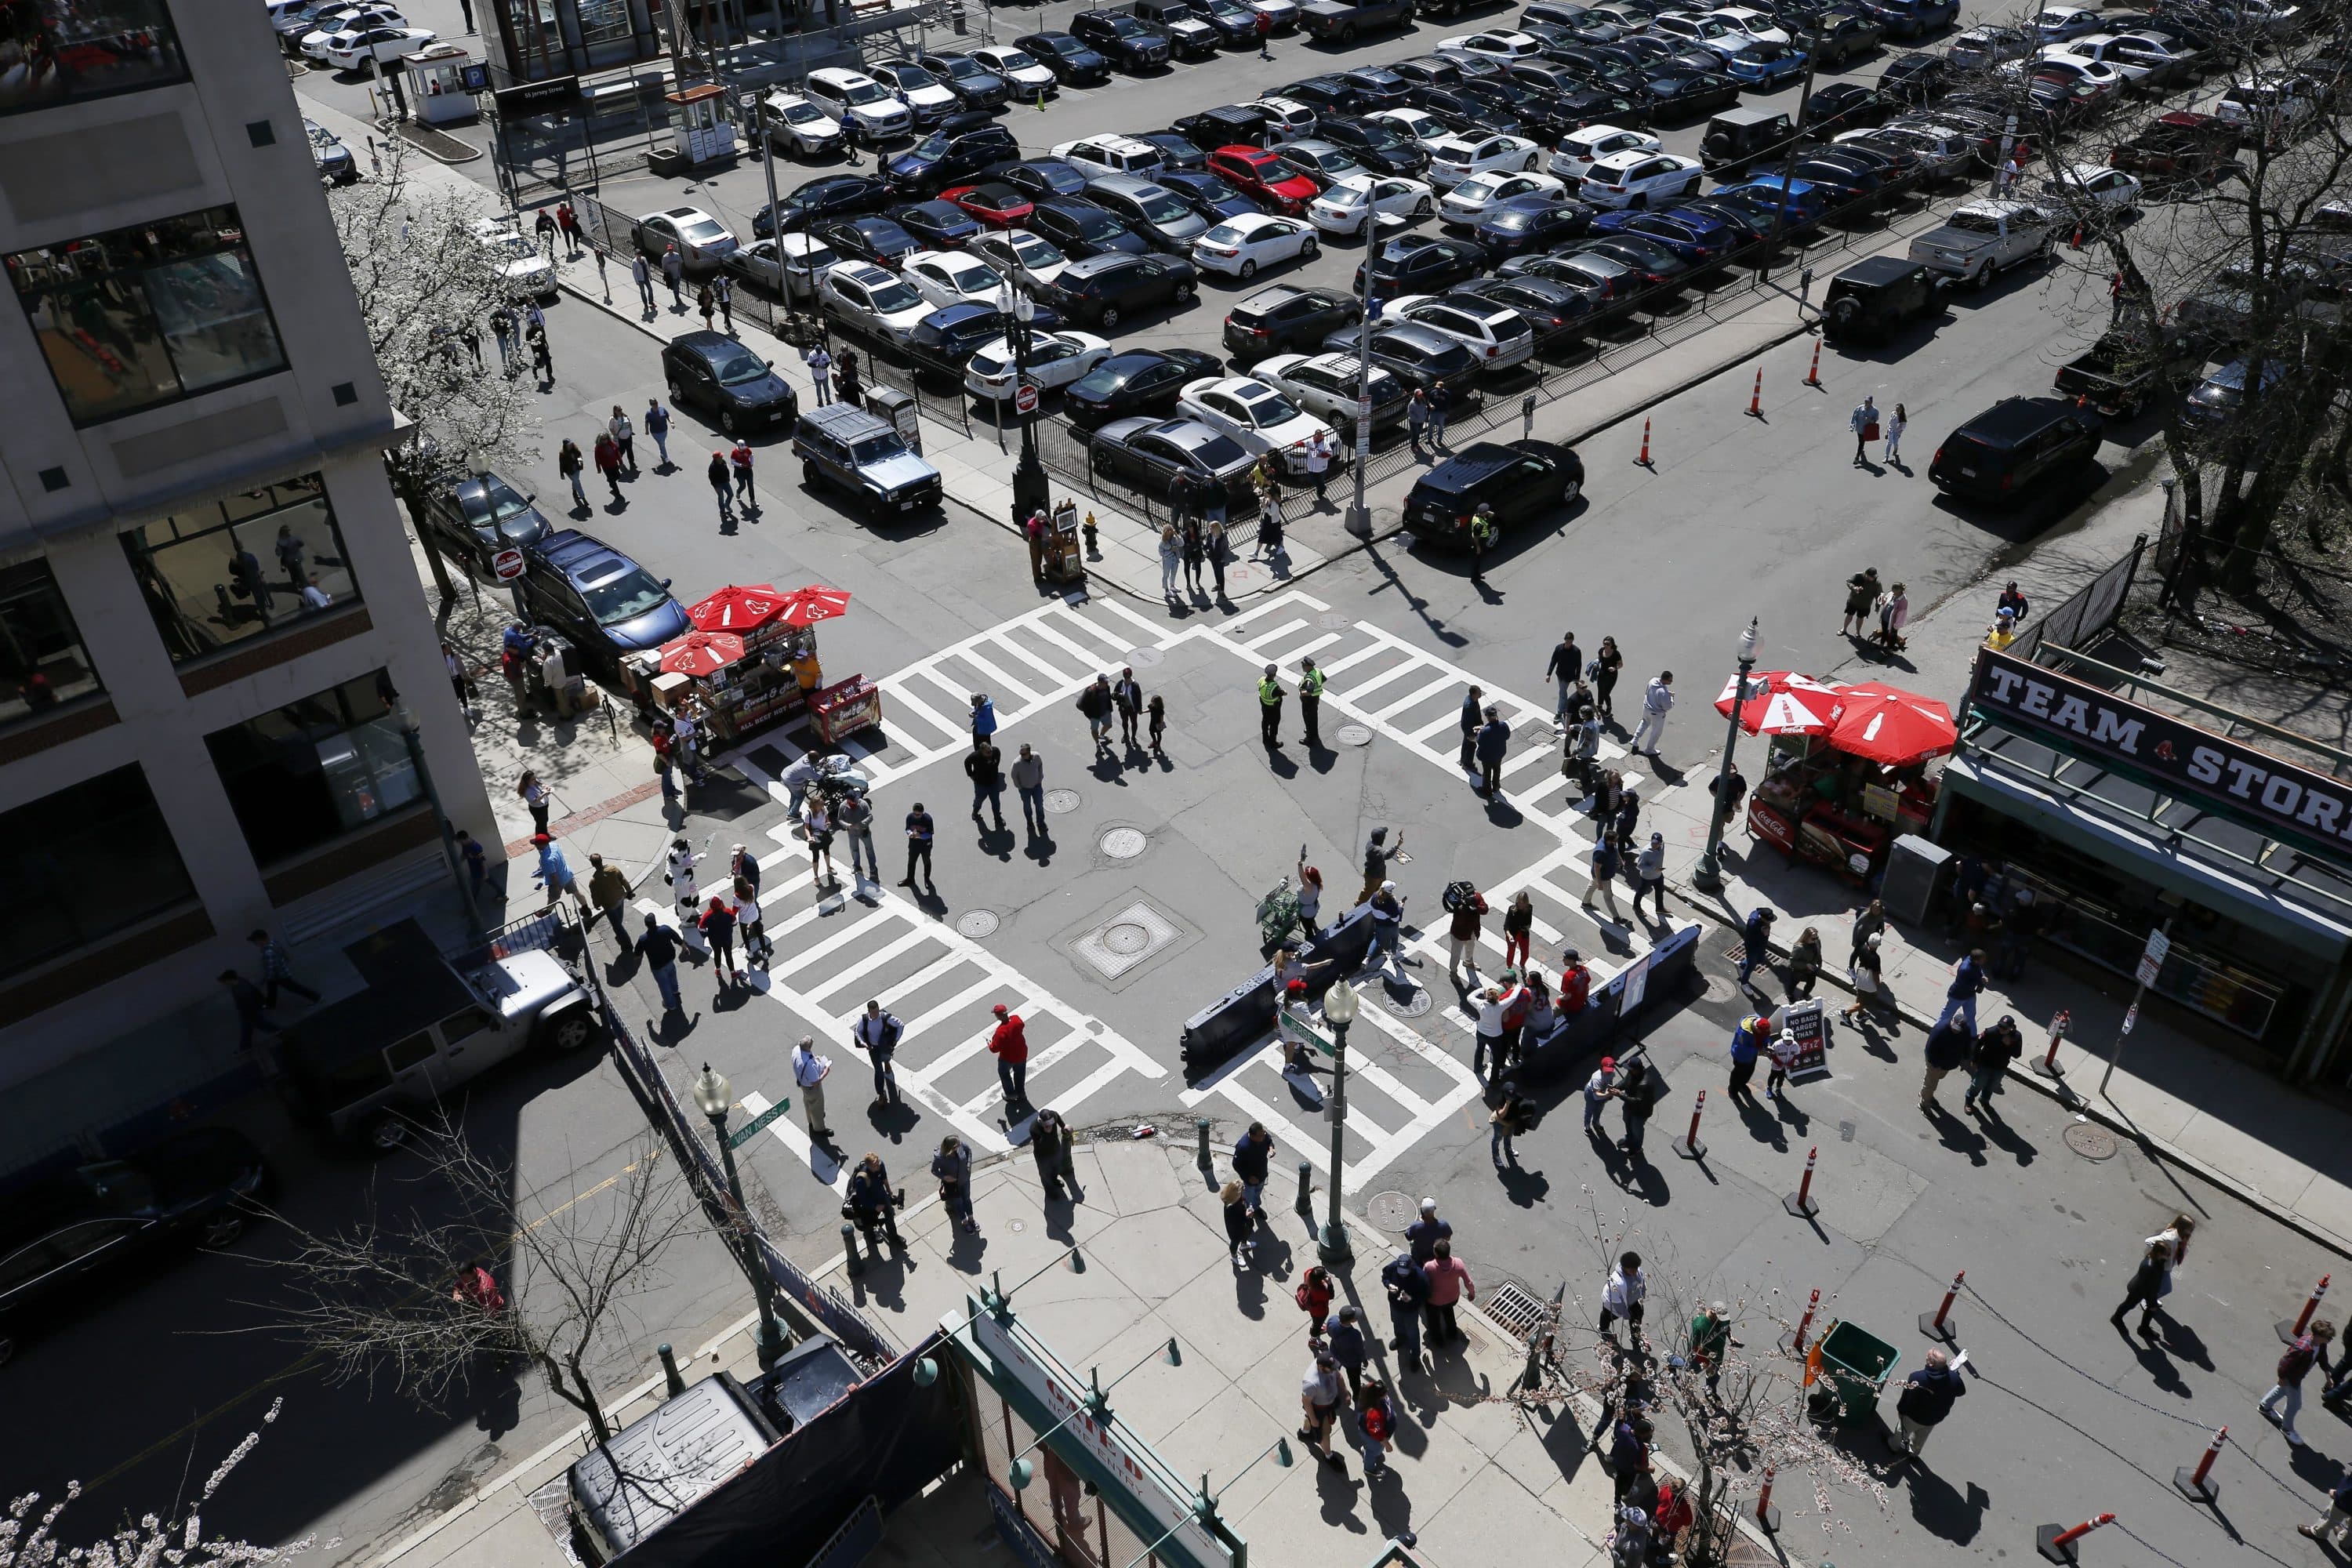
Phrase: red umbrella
[1782,703]
[738,609]
[806,606]
[701,654]
[1888,724]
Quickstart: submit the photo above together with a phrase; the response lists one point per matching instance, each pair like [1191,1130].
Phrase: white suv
[793,122]
[1639,179]
[855,98]
[1497,334]
[878,303]
[1580,149]
[1111,154]
[523,269]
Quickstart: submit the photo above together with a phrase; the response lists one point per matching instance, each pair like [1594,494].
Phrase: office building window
[83,864]
[147,315]
[227,570]
[42,661]
[61,51]
[317,769]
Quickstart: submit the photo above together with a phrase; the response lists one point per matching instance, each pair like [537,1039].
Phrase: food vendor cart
[751,659]
[1837,792]
[841,710]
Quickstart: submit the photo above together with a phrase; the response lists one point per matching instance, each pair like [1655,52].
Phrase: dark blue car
[1529,223]
[1912,18]
[1762,195]
[1206,194]
[606,604]
[1695,238]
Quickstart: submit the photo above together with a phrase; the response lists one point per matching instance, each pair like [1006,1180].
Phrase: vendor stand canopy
[1780,702]
[806,606]
[738,609]
[701,655]
[1887,724]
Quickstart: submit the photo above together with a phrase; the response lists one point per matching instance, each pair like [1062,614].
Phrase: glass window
[42,661]
[83,864]
[315,770]
[227,570]
[147,315]
[60,51]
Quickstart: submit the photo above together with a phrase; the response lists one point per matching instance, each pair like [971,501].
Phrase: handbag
[1870,431]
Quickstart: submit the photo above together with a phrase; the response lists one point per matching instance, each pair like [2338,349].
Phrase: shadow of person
[1524,1188]
[966,1250]
[1761,1124]
[2160,1370]
[672,1027]
[1941,1509]
[501,1411]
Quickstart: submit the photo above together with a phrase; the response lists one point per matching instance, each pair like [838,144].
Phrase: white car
[2095,183]
[364,19]
[1708,32]
[1362,200]
[1259,417]
[701,240]
[800,124]
[1111,154]
[926,97]
[2056,61]
[1055,359]
[1325,386]
[1281,14]
[1422,127]
[1757,25]
[1468,203]
[350,51]
[953,278]
[1240,245]
[1639,179]
[1943,151]
[1288,120]
[871,299]
[1497,334]
[848,95]
[523,269]
[1580,149]
[788,264]
[1453,159]
[1018,67]
[1496,45]
[1029,260]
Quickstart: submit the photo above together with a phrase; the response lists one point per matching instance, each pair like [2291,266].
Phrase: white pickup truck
[1981,237]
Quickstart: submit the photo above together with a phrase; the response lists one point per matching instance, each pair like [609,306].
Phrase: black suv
[1099,290]
[1376,144]
[1130,44]
[1229,125]
[474,518]
[834,196]
[1523,481]
[941,159]
[975,85]
[1325,95]
[1080,227]
[1286,319]
[727,380]
[606,604]
[2016,443]
[1877,297]
[1072,61]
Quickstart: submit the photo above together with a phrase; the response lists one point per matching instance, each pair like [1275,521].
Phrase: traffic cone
[1756,398]
[1813,376]
[1643,460]
[2076,243]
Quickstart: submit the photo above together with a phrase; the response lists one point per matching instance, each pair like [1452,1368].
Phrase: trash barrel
[1853,1367]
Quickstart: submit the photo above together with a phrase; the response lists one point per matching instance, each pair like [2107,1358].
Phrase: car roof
[1467,466]
[2014,419]
[1747,115]
[703,342]
[1878,269]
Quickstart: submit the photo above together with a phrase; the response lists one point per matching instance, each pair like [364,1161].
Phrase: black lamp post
[714,1097]
[1031,489]
[1707,875]
[1340,1005]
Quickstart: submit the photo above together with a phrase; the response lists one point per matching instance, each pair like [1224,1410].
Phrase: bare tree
[395,1294]
[30,1540]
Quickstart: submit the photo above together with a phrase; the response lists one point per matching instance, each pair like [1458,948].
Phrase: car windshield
[878,448]
[803,113]
[974,279]
[1511,219]
[1162,206]
[514,247]
[703,232]
[1346,197]
[859,94]
[494,503]
[1217,452]
[1975,223]
[898,294]
[1269,408]
[914,77]
[1014,60]
[736,366]
[624,596]
[935,145]
[1226,234]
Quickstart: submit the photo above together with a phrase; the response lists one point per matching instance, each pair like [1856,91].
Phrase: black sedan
[1842,106]
[1680,91]
[955,332]
[1068,58]
[1916,78]
[1082,228]
[1457,108]
[1040,179]
[61,1238]
[940,226]
[975,85]
[476,517]
[869,238]
[1376,144]
[1176,152]
[1381,87]
[1532,223]
[1206,194]
[1519,483]
[1653,264]
[1554,312]
[834,196]
[1509,99]
[1420,264]
[1842,182]
[1101,289]
[1149,453]
[1139,383]
[729,383]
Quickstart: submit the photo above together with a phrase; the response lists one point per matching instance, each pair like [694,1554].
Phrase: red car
[994,203]
[1265,178]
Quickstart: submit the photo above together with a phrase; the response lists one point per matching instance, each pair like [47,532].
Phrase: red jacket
[1010,1041]
[1575,990]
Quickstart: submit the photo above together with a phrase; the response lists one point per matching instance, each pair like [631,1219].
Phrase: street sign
[538,97]
[1025,399]
[507,565]
[2151,958]
[1305,1031]
[757,1125]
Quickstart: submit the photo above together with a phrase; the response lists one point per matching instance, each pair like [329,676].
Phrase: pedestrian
[1269,542]
[1196,552]
[658,947]
[1866,972]
[716,474]
[569,465]
[1492,1045]
[953,1166]
[854,814]
[502,328]
[1387,920]
[1440,403]
[1320,1393]
[566,220]
[983,716]
[1171,561]
[1312,1293]
[1269,709]
[673,268]
[1518,927]
[845,386]
[1251,1157]
[554,872]
[1156,712]
[1009,1044]
[1343,1333]
[921,830]
[872,1204]
[1637,1097]
[819,369]
[1960,995]
[471,336]
[1377,851]
[1755,941]
[1650,875]
[1782,1048]
[1864,421]
[1895,423]
[1657,700]
[2284,1400]
[478,865]
[1867,922]
[1319,462]
[541,362]
[1416,417]
[276,970]
[2337,1522]
[2015,603]
[1219,552]
[643,276]
[1473,713]
[1449,1283]
[809,1072]
[1484,535]
[739,459]
[1029,783]
[680,878]
[608,464]
[1310,705]
[1623,1296]
[1747,1040]
[657,426]
[2148,1284]
[1893,614]
[1424,1234]
[1466,908]
[1034,530]
[1605,865]
[1602,672]
[1127,697]
[624,437]
[1265,26]
[1514,1113]
[877,1032]
[1376,1419]
[751,920]
[1050,1145]
[1995,1050]
[1629,1456]
[1711,1343]
[1408,1293]
[544,230]
[1565,670]
[1095,703]
[1804,964]
[1494,743]
[1628,819]
[1950,1045]
[1926,1398]
[1599,1090]
[1575,993]
[1861,593]
[608,890]
[984,766]
[722,289]
[252,1012]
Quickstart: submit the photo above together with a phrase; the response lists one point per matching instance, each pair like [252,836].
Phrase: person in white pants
[1657,698]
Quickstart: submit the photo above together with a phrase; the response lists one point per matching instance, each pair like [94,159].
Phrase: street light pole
[1359,516]
[1340,1004]
[1707,875]
[714,1097]
[1031,489]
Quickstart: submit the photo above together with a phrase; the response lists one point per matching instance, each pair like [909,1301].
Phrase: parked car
[1032,81]
[1150,209]
[1326,385]
[1175,151]
[799,125]
[1376,144]
[1080,229]
[1979,238]
[334,161]
[1104,290]
[949,157]
[1872,300]
[926,98]
[1052,359]
[2018,445]
[353,50]
[1639,179]
[788,267]
[1453,159]
[1554,312]
[975,85]
[872,237]
[952,277]
[1129,43]
[1071,59]
[849,95]
[1531,223]
[1189,31]
[1042,179]
[863,454]
[1522,481]
[1258,415]
[1414,354]
[1262,175]
[721,377]
[524,271]
[1420,264]
[1357,204]
[1136,382]
[702,241]
[1839,37]
[470,519]
[1468,203]
[870,300]
[603,601]
[2180,149]
[992,204]
[830,196]
[1496,337]
[1286,317]
[1206,194]
[1149,453]
[1580,149]
[1027,259]
[1239,247]
[951,334]
[939,226]
[1916,78]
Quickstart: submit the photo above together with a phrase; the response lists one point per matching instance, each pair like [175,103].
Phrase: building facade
[222,701]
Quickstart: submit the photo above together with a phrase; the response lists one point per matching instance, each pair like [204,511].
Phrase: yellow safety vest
[1270,693]
[1310,685]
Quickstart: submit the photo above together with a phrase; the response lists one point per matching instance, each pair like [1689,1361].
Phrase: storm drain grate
[1515,1311]
[1126,940]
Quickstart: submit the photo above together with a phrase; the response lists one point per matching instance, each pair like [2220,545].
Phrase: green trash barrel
[1854,1364]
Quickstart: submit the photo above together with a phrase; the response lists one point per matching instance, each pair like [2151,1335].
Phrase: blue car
[1763,65]
[1801,203]
[1912,19]
[1524,224]
[605,602]
[1695,237]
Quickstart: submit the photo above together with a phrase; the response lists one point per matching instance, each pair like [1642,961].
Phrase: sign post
[2160,943]
[507,565]
[757,1125]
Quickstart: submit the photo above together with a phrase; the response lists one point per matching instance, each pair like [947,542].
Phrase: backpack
[1529,1118]
[1300,1296]
[1457,895]
[2297,1361]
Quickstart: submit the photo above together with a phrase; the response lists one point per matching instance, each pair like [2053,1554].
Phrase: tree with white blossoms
[425,277]
[30,1539]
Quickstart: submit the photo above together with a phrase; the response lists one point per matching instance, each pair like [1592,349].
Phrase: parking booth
[436,78]
[703,132]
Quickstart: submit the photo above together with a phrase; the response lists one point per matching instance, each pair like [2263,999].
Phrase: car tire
[677,395]
[1422,210]
[1570,491]
[1983,280]
[1183,295]
[811,476]
[575,1030]
[729,423]
[220,1230]
[1249,269]
[1108,319]
[1348,37]
[386,1133]
[1310,250]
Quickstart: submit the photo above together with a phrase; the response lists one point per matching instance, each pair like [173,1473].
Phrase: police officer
[1310,699]
[1270,709]
[1481,539]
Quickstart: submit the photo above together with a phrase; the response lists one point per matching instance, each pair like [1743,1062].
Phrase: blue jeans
[1033,807]
[579,495]
[1384,941]
[1964,1006]
[1404,1323]
[886,1079]
[661,445]
[1253,1195]
[861,841]
[2292,1394]
[666,979]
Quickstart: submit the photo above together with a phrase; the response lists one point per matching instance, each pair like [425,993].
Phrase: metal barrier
[2088,610]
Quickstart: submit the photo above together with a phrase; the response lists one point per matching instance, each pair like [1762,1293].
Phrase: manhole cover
[1390,1211]
[1333,621]
[1353,735]
[1126,940]
[1411,1005]
[1124,843]
[977,923]
[2092,1143]
[1145,657]
[1062,800]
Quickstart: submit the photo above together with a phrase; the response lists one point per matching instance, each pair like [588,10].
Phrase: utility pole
[1359,516]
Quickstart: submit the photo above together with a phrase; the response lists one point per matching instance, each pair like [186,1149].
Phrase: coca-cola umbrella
[806,606]
[739,608]
[701,654]
[1888,724]
[1780,702]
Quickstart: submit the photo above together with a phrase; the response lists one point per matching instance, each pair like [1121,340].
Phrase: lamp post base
[772,1341]
[1707,875]
[1359,521]
[1331,1245]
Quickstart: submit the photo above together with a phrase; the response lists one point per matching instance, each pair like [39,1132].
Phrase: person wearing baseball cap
[1599,1089]
[1269,708]
[1009,1043]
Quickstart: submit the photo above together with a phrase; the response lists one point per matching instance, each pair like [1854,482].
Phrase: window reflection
[60,51]
[315,770]
[214,577]
[42,660]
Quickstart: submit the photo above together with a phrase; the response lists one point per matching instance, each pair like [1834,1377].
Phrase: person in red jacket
[1010,1045]
[1313,1295]
[1575,984]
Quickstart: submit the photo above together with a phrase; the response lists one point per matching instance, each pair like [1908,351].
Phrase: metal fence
[2088,611]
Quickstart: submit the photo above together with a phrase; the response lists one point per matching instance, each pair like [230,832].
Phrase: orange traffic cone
[1643,460]
[1813,376]
[1756,398]
[2076,243]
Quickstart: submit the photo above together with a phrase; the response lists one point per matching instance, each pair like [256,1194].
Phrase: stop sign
[507,565]
[1025,399]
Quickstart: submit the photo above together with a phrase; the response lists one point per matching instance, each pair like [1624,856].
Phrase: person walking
[819,369]
[1473,713]
[1895,423]
[1988,1064]
[1387,922]
[1029,783]
[656,947]
[1599,1090]
[716,474]
[1095,702]
[921,830]
[1782,1048]
[1518,929]
[1514,1113]
[853,816]
[1319,463]
[608,890]
[816,822]
[752,922]
[984,766]
[1657,702]
[1155,714]
[1219,550]
[1241,1232]
[566,220]
[1416,417]
[1623,1297]
[1377,853]
[1252,1153]
[1376,1420]
[872,1204]
[1893,614]
[1320,1393]
[1756,942]
[722,289]
[1441,405]
[809,1071]
[1650,875]
[1171,561]
[717,923]
[1313,1294]
[1269,709]
[1264,26]
[1494,743]
[1864,421]
[1960,996]
[569,464]
[1804,964]
[1926,1398]
[2149,1280]
[502,328]
[1050,1145]
[608,465]
[983,716]
[739,459]
[554,872]
[1009,1044]
[1606,862]
[1950,1045]
[1492,1044]
[252,1012]
[643,275]
[2284,1400]
[1424,1234]
[845,385]
[1343,1333]
[1637,1097]
[471,336]
[1127,697]
[1465,908]
[1449,1284]
[952,1168]
[1565,668]
[1607,665]
[877,1034]
[624,437]
[2335,1525]
[658,426]
[1408,1293]
[673,268]
[1711,1343]
[1866,974]
[276,970]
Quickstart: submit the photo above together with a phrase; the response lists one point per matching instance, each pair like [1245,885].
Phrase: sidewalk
[2270,1142]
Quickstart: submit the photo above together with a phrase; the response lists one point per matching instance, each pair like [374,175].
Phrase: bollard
[1690,1148]
[2192,1483]
[1813,376]
[1201,1125]
[669,1371]
[849,1247]
[1768,1518]
[2048,1065]
[1306,1189]
[1937,1325]
[1643,460]
[1756,398]
[2057,1543]
[2291,1328]
[1794,1343]
[1801,1202]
